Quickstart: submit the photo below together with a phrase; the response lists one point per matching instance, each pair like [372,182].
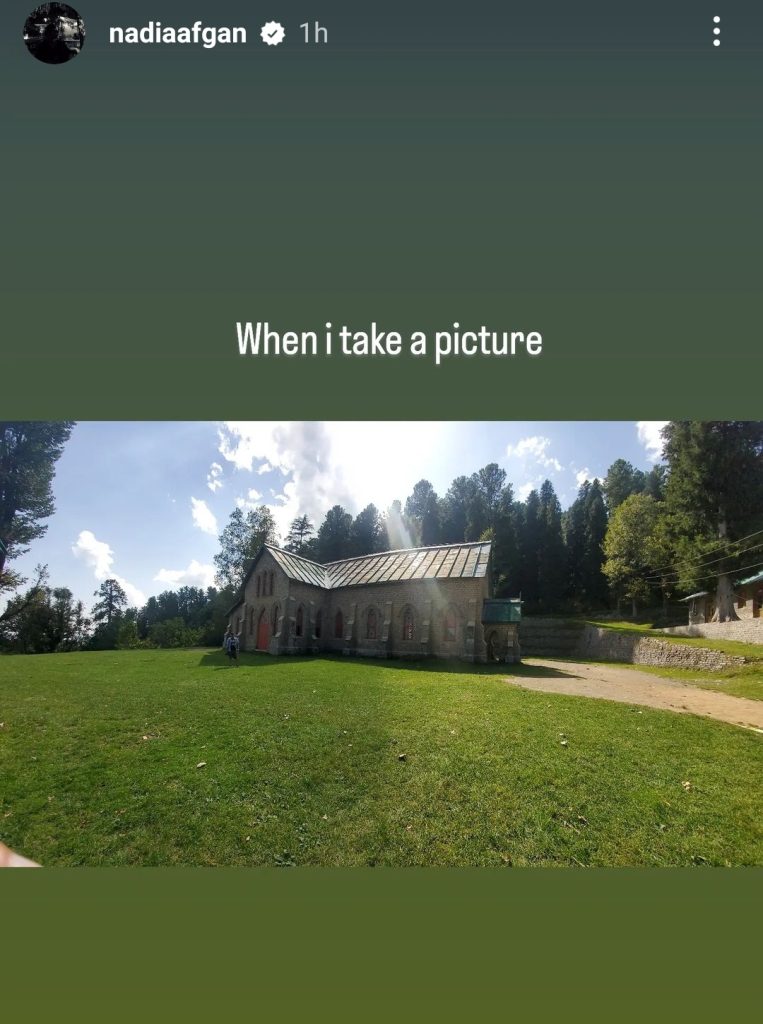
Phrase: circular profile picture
[54,33]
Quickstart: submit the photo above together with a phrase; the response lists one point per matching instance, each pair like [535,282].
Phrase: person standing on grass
[232,645]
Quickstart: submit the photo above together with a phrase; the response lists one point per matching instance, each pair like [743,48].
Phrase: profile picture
[54,33]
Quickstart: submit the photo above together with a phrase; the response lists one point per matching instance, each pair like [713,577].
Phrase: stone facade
[405,618]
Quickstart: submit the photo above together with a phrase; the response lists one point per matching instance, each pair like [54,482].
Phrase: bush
[173,633]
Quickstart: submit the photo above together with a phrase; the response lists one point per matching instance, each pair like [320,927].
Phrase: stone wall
[546,637]
[549,638]
[610,645]
[746,631]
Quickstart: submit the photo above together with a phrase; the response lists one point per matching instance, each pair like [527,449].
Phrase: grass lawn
[302,765]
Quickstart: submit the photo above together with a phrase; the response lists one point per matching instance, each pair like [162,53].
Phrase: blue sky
[145,502]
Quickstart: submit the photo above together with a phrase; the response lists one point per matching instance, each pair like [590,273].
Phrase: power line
[709,551]
[703,565]
[730,572]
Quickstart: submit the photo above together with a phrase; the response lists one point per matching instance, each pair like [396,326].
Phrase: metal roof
[700,593]
[757,578]
[298,568]
[445,561]
[497,610]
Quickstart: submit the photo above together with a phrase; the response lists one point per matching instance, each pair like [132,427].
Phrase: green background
[588,170]
[284,945]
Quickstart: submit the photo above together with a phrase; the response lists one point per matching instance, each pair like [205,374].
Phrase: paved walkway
[629,686]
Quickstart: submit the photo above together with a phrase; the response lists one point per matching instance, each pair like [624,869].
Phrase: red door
[263,632]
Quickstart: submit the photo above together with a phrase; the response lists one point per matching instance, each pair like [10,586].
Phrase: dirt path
[630,686]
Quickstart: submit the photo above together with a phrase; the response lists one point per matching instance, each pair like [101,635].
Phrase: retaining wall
[541,638]
[746,631]
[549,638]
[609,645]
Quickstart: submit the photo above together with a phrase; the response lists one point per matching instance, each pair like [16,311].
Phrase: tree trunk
[724,594]
[724,601]
[633,606]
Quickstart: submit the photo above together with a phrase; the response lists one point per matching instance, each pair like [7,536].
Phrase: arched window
[408,624]
[258,584]
[338,625]
[274,619]
[371,622]
[450,625]
[300,621]
[319,623]
[271,584]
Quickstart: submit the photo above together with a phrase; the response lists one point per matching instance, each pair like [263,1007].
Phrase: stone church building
[420,602]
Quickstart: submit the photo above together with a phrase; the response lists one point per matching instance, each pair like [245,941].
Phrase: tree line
[553,559]
[47,620]
[634,539]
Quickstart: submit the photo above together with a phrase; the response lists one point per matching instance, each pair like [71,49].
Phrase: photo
[54,33]
[365,629]
[370,644]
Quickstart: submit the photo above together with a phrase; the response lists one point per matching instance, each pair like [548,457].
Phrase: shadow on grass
[260,662]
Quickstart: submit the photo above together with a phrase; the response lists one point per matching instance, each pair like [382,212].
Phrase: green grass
[99,755]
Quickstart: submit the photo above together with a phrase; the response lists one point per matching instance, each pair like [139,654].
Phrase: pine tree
[111,599]
[28,455]
[456,508]
[529,547]
[595,530]
[240,541]
[298,537]
[333,542]
[367,534]
[551,554]
[506,551]
[107,615]
[422,509]
[621,481]
[574,534]
[714,498]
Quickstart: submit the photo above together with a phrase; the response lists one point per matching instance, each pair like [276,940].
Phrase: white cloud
[581,475]
[195,575]
[265,468]
[350,464]
[252,499]
[649,436]
[96,554]
[214,483]
[534,449]
[203,516]
[524,490]
[134,595]
[99,557]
